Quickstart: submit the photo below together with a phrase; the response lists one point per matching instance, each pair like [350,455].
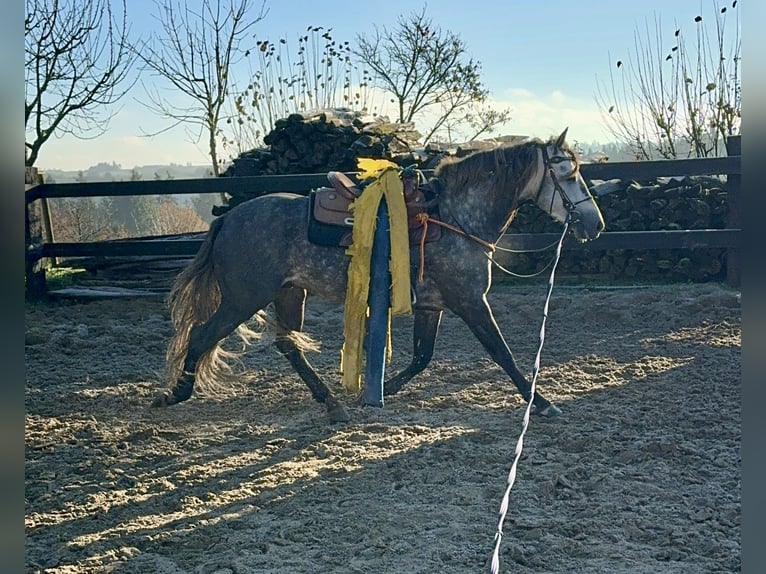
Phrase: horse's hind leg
[289,306]
[202,339]
[423,337]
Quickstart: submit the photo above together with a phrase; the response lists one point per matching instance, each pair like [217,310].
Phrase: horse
[257,254]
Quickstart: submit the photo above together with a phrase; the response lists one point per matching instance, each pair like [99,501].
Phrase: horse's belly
[322,271]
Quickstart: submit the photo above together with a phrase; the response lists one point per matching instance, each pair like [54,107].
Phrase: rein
[521,275]
[495,564]
[424,220]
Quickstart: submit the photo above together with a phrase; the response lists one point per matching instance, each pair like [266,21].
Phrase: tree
[424,68]
[679,102]
[195,53]
[78,63]
[477,120]
[167,217]
[84,219]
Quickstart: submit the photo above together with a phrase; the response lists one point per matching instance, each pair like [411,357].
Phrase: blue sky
[543,59]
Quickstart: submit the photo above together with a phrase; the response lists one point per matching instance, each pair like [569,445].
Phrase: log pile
[329,140]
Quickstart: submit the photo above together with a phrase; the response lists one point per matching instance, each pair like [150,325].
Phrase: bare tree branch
[194,53]
[78,63]
[422,67]
[680,101]
[322,73]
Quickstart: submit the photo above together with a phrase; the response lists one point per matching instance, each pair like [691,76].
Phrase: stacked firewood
[325,140]
[322,141]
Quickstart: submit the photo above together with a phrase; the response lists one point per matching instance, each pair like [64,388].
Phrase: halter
[569,205]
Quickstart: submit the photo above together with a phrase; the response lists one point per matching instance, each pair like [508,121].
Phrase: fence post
[733,181]
[47,222]
[34,268]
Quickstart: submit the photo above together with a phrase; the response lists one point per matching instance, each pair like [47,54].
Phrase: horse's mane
[506,166]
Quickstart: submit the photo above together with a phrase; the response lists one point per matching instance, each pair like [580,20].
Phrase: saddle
[331,222]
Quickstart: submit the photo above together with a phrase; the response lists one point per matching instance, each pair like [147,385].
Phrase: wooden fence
[39,245]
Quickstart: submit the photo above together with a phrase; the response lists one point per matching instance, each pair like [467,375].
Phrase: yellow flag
[369,167]
[389,185]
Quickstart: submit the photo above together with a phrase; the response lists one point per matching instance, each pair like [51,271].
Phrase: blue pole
[379,301]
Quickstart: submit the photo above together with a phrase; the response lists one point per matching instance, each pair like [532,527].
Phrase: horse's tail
[194,296]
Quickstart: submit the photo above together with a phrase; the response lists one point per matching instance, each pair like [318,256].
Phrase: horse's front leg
[479,318]
[424,334]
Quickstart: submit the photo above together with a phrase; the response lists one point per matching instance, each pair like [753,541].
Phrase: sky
[542,59]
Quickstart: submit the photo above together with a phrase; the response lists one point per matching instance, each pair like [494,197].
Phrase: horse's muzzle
[587,228]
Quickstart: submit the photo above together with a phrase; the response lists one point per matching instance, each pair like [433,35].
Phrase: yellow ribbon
[388,184]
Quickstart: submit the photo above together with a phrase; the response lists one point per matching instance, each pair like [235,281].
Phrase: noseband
[569,205]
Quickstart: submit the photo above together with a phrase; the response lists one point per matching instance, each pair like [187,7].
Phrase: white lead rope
[495,566]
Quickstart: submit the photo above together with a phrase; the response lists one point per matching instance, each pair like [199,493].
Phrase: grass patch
[62,277]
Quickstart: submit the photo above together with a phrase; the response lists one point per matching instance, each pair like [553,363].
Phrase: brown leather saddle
[331,222]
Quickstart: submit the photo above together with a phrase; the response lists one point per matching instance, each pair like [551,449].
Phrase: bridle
[569,205]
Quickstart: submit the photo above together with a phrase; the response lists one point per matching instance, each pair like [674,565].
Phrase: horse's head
[563,192]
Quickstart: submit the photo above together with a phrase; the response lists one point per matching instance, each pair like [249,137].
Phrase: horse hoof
[163,400]
[551,411]
[390,390]
[336,411]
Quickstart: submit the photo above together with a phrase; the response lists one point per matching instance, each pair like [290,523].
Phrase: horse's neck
[477,210]
[483,210]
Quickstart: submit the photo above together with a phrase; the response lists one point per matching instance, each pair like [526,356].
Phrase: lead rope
[495,566]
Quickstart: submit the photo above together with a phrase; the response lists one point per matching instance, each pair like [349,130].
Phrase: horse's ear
[562,137]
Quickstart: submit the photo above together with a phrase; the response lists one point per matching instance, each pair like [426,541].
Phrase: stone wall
[662,204]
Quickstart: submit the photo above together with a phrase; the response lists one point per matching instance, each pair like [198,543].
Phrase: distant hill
[115,172]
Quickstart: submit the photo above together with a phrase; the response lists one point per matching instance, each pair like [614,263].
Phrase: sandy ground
[641,474]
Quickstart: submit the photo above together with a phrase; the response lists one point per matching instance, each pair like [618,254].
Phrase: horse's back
[263,244]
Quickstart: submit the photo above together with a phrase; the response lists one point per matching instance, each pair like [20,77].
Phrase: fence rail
[300,183]
[36,194]
[673,239]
